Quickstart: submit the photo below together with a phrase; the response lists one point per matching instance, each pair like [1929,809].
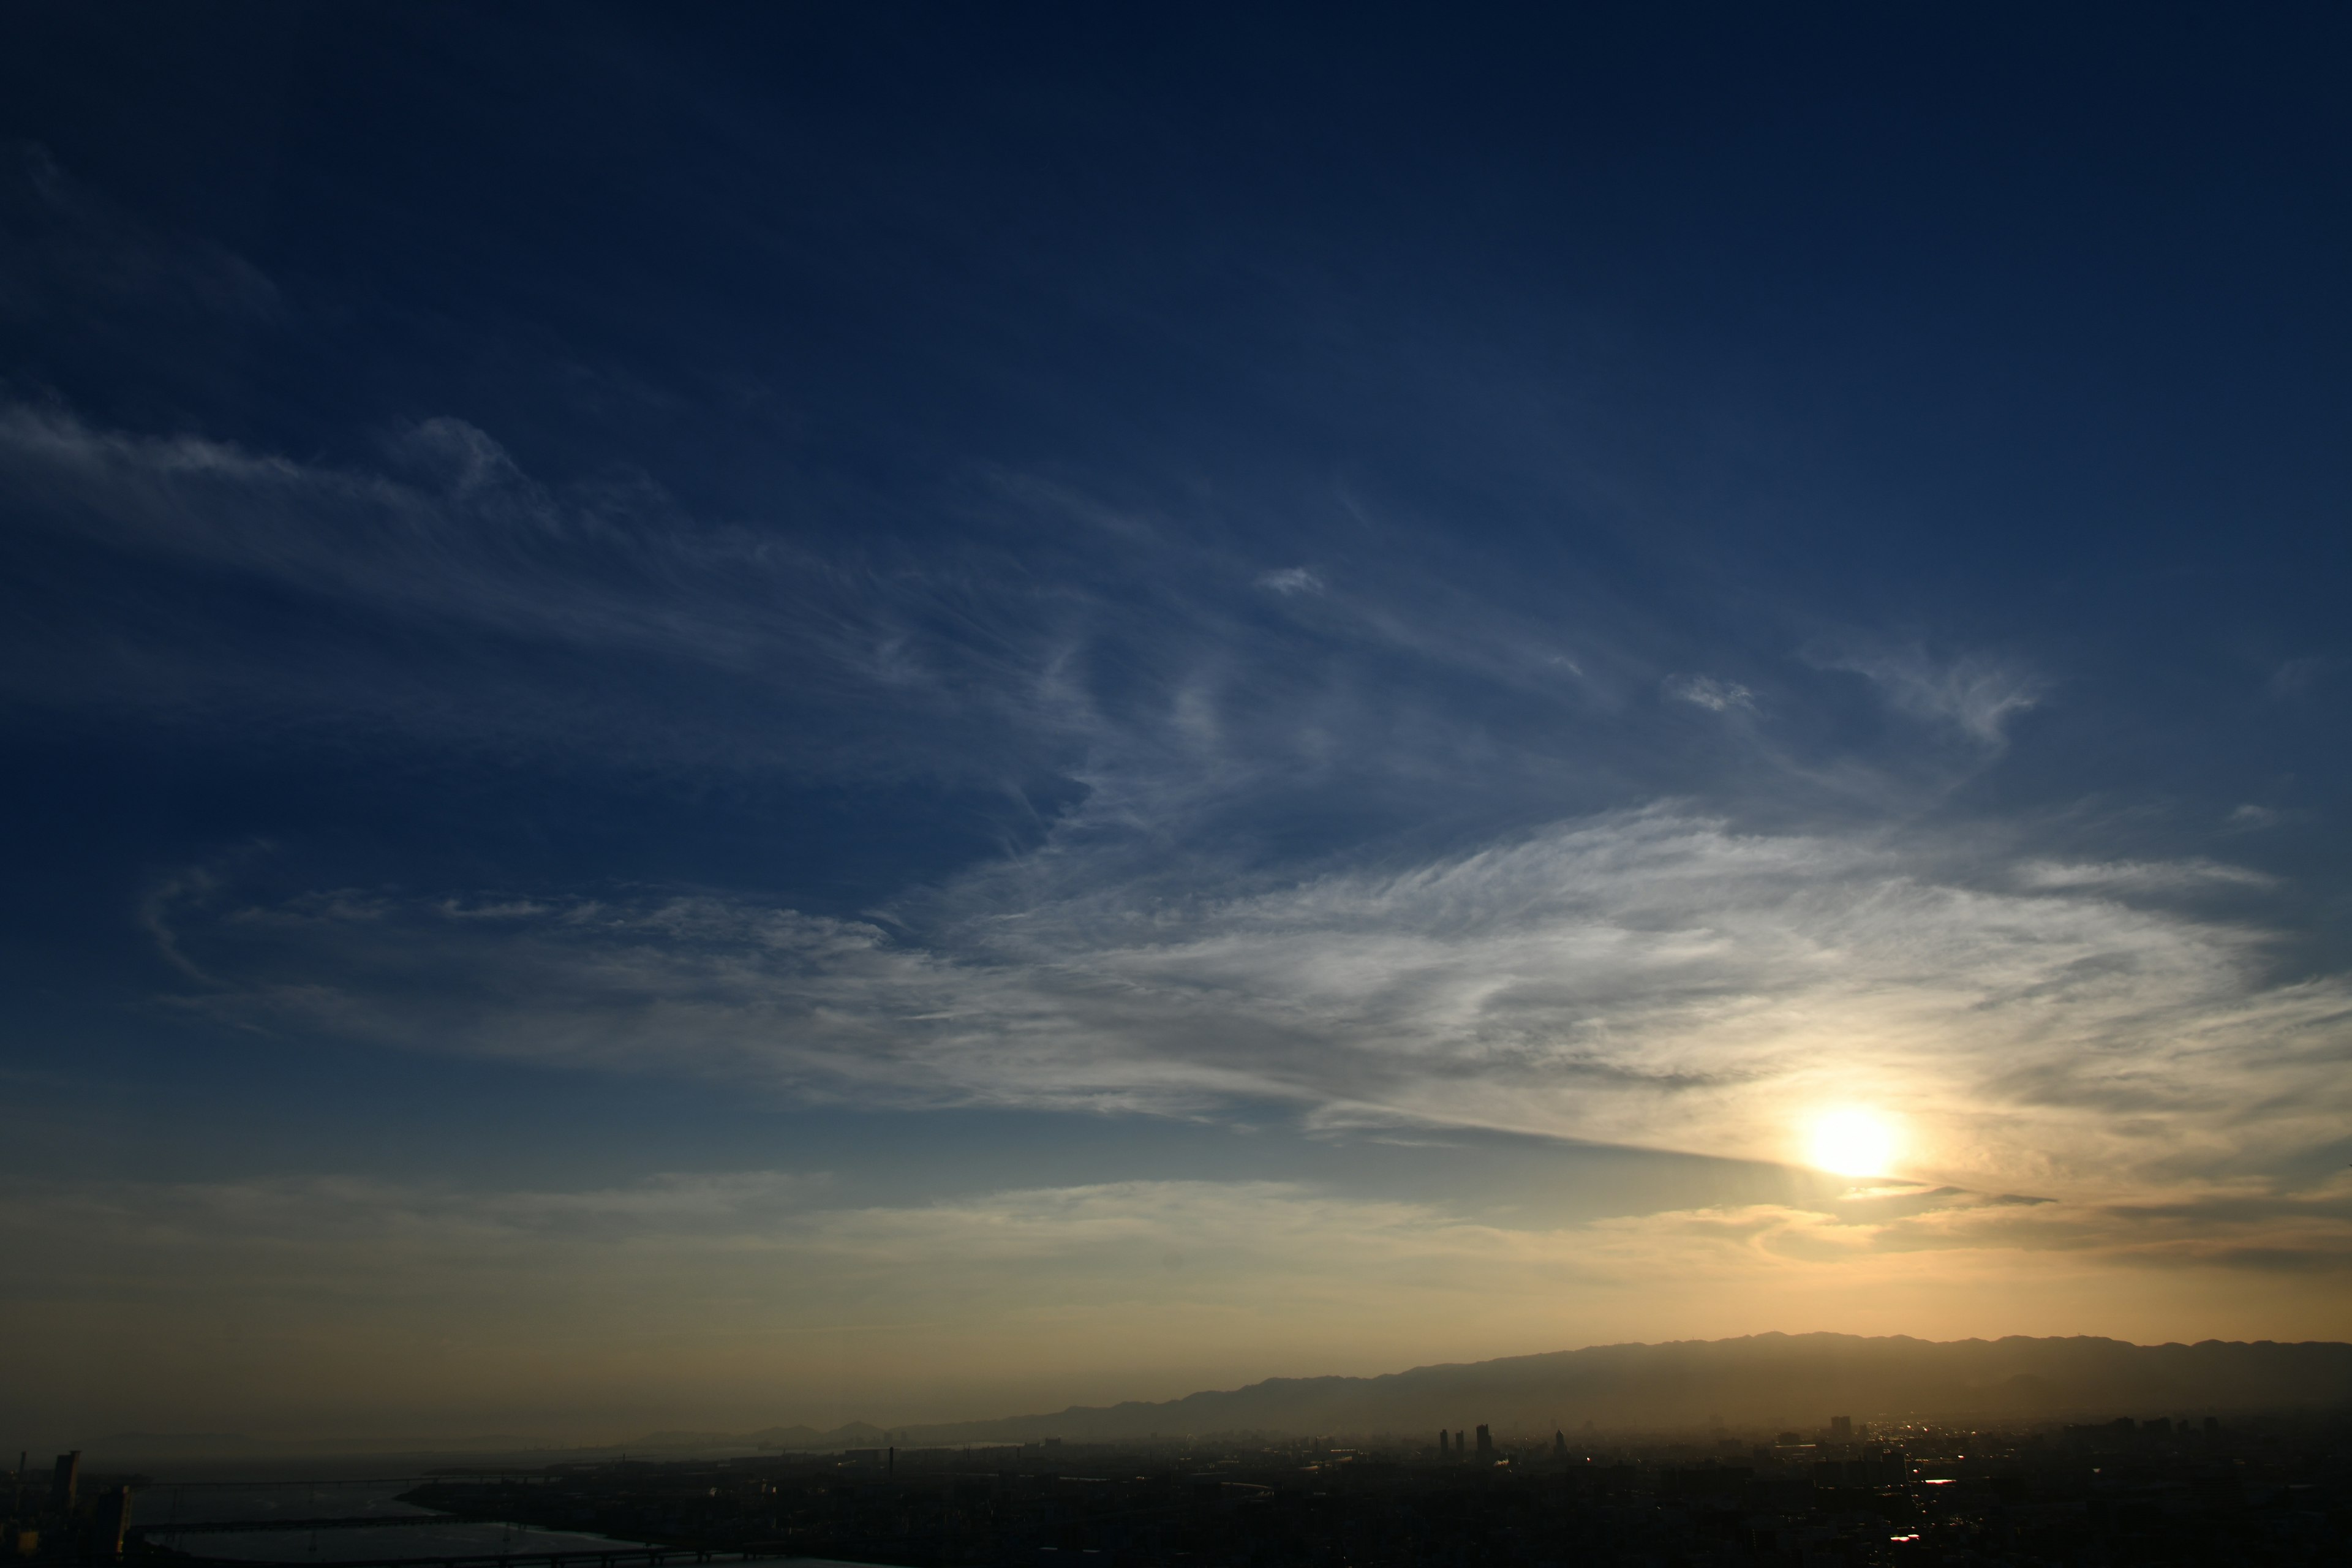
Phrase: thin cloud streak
[1973,694]
[453,597]
[1652,976]
[1706,691]
[1649,978]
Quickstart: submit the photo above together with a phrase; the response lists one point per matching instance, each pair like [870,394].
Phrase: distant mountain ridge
[1780,1379]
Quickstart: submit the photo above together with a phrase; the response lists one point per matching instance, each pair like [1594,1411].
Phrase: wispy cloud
[2298,677]
[1974,694]
[1646,978]
[1649,975]
[1706,691]
[67,250]
[2141,877]
[442,595]
[448,596]
[2311,1232]
[452,596]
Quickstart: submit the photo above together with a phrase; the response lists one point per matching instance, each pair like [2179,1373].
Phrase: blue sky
[890,713]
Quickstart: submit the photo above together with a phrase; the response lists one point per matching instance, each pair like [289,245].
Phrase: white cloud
[2297,677]
[1647,978]
[1976,694]
[2139,876]
[448,596]
[507,602]
[1706,691]
[1291,580]
[475,542]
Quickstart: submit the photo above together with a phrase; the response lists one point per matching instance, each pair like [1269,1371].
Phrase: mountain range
[1780,1381]
[1777,1379]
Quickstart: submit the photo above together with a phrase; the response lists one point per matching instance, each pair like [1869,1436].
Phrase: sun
[1853,1143]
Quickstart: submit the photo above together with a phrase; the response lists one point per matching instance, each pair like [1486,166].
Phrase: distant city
[2165,1488]
[2215,1453]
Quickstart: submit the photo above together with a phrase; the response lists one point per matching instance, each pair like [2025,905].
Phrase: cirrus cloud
[1649,978]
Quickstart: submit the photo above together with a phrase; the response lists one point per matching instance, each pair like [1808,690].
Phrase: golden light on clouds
[1849,1142]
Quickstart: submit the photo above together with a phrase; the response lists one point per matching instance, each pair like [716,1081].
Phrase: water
[162,1505]
[159,1507]
[203,1503]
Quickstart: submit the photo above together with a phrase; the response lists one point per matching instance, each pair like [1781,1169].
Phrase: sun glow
[1853,1143]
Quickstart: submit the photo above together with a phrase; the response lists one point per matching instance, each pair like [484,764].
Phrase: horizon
[798,714]
[684,1437]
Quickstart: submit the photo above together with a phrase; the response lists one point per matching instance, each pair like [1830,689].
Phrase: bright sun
[1853,1143]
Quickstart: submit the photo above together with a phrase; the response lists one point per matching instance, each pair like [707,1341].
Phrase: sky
[720,716]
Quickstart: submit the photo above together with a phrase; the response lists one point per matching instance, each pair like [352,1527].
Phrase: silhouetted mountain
[1779,1380]
[1784,1380]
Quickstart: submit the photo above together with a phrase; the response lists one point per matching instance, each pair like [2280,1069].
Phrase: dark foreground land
[2127,1492]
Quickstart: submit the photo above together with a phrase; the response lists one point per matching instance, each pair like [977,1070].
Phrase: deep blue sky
[1419,621]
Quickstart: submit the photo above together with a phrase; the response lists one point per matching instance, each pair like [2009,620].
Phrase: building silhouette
[108,1520]
[62,1483]
[1486,1445]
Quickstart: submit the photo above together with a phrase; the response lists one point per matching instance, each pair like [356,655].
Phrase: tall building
[61,1486]
[1559,1445]
[1486,1445]
[1444,1445]
[1841,1428]
[112,1519]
